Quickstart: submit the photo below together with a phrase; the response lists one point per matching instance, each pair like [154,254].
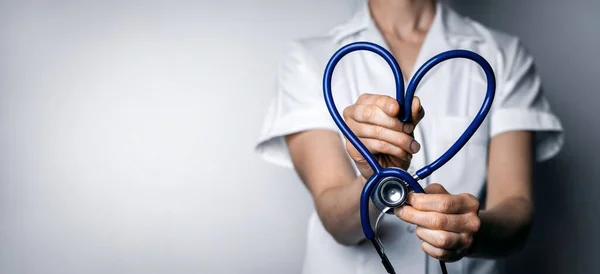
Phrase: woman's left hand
[446,223]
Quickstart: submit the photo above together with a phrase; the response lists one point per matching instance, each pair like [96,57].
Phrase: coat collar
[447,22]
[447,31]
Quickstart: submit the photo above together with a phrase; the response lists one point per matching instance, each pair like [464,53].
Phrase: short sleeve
[297,105]
[521,105]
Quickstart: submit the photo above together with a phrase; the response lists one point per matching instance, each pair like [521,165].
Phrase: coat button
[410,228]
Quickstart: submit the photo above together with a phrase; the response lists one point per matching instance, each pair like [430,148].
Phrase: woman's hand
[374,120]
[446,223]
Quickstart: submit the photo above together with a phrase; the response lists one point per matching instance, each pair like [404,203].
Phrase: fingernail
[415,146]
[408,128]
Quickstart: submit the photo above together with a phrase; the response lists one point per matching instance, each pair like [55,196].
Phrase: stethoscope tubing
[405,102]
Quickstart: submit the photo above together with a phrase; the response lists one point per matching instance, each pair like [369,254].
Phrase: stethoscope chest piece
[391,191]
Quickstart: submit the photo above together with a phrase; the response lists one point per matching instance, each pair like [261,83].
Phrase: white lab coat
[451,94]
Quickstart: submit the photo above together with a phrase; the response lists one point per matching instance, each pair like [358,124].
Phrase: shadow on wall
[564,237]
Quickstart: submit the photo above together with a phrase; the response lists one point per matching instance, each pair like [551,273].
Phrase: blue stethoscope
[389,187]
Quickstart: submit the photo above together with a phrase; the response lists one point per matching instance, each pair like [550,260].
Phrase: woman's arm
[323,165]
[506,221]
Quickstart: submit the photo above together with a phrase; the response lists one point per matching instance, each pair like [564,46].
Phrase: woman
[482,209]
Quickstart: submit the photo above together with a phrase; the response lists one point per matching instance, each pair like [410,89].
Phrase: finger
[372,114]
[443,203]
[459,223]
[443,239]
[440,253]
[388,104]
[417,113]
[376,146]
[417,110]
[398,139]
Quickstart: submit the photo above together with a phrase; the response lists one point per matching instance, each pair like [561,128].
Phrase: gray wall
[564,36]
[125,125]
[127,132]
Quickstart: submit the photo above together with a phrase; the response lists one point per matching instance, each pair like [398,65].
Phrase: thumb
[436,189]
[417,110]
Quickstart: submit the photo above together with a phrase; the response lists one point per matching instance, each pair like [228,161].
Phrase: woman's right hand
[374,120]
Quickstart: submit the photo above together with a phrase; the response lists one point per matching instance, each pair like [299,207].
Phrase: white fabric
[451,94]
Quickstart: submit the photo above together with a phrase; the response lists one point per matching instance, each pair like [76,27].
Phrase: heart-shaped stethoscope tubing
[392,184]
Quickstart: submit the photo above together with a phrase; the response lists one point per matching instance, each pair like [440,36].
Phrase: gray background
[564,36]
[127,129]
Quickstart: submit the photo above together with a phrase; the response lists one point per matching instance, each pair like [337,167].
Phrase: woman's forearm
[504,228]
[339,210]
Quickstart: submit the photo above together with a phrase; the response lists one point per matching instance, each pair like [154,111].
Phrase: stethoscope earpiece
[389,187]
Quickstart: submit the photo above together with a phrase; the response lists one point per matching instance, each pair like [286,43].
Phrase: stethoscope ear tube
[337,118]
[405,100]
[479,117]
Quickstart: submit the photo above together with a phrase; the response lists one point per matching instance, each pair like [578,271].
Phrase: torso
[450,99]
